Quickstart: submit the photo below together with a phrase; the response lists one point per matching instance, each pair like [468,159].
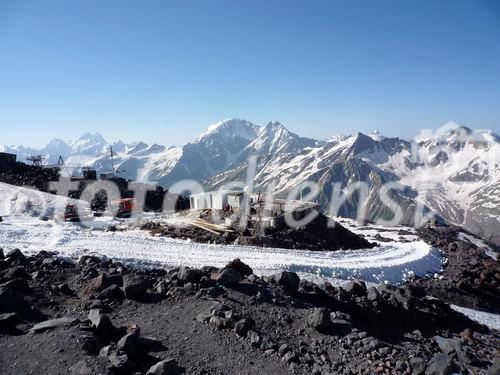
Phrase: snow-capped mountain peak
[231,127]
[57,147]
[89,144]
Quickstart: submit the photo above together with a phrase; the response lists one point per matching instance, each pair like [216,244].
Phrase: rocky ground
[470,277]
[97,316]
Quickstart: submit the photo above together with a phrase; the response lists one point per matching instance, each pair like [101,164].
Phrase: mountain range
[454,173]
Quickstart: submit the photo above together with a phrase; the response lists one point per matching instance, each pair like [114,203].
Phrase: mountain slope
[455,173]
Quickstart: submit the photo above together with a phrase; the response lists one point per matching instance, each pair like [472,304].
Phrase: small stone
[204,317]
[319,319]
[165,367]
[119,363]
[255,339]
[284,349]
[290,357]
[105,351]
[242,326]
[128,344]
[89,343]
[102,323]
[80,368]
[266,343]
[372,294]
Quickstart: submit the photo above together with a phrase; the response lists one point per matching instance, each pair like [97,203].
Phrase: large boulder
[111,293]
[356,288]
[11,300]
[15,272]
[135,286]
[440,364]
[101,282]
[189,275]
[15,255]
[18,284]
[494,369]
[239,266]
[229,277]
[418,365]
[8,321]
[289,281]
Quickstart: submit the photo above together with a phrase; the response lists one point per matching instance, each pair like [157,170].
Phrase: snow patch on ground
[392,262]
[490,320]
[15,200]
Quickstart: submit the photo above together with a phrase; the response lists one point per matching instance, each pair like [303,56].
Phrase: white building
[217,200]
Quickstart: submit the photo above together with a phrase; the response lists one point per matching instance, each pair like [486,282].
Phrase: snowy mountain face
[454,174]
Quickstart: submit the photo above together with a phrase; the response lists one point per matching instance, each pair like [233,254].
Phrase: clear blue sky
[161,71]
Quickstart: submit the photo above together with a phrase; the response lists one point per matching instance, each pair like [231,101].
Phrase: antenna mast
[112,162]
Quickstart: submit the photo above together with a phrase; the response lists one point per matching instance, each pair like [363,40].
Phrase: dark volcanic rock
[494,369]
[319,319]
[16,272]
[356,287]
[229,277]
[119,364]
[289,281]
[440,364]
[242,326]
[418,365]
[112,293]
[129,344]
[101,322]
[135,287]
[239,266]
[17,284]
[14,255]
[8,321]
[11,300]
[101,282]
[190,275]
